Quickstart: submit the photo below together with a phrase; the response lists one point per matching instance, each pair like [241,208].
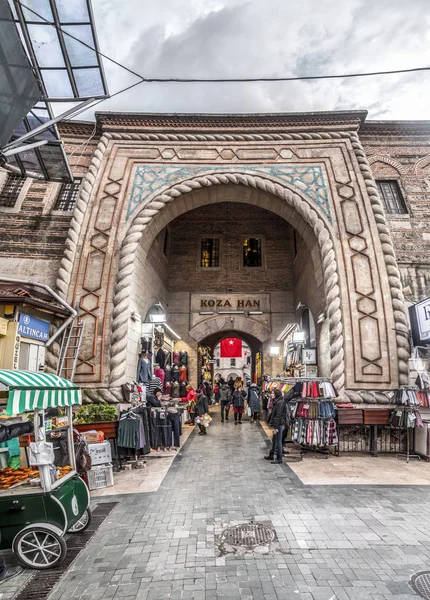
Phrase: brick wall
[231,222]
[401,151]
[33,238]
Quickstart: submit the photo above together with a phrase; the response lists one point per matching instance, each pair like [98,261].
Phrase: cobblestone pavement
[339,542]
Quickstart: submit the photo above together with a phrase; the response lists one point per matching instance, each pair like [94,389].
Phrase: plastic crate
[100,477]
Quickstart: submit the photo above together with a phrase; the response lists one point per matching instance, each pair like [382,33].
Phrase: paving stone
[338,542]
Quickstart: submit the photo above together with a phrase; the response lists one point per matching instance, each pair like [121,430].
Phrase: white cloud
[237,38]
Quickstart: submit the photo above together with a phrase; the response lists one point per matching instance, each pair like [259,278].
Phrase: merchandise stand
[407,454]
[303,424]
[34,518]
[407,402]
[144,411]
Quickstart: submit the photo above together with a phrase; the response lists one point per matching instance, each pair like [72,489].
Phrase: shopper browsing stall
[279,419]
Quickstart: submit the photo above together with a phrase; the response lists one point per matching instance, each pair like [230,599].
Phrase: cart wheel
[83,523]
[40,548]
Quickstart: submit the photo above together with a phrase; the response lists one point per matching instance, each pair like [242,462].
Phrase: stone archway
[318,223]
[221,324]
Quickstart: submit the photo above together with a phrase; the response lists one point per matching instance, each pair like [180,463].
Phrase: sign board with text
[230,302]
[420,322]
[33,328]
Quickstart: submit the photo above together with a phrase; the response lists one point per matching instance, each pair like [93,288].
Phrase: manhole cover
[250,535]
[420,582]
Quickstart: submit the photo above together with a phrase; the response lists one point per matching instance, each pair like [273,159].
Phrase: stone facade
[400,151]
[310,171]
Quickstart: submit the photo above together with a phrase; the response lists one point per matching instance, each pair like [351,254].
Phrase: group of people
[233,394]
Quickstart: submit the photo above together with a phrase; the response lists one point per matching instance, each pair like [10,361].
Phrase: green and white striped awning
[29,390]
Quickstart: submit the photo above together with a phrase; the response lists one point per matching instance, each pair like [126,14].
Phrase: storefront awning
[28,391]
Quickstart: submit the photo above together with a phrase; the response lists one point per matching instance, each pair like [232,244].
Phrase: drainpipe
[66,323]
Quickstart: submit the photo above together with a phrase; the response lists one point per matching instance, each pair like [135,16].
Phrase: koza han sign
[31,327]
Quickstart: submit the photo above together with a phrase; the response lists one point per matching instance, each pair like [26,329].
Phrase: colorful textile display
[406,418]
[315,432]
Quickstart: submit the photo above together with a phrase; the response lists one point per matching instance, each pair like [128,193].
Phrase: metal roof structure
[60,41]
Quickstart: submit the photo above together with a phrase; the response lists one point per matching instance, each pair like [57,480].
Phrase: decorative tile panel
[308,180]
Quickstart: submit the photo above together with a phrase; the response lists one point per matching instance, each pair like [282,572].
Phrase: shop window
[232,362]
[392,198]
[210,253]
[11,190]
[307,324]
[67,196]
[252,252]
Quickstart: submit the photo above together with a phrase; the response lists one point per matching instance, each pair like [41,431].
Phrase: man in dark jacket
[225,398]
[8,432]
[154,399]
[202,407]
[278,420]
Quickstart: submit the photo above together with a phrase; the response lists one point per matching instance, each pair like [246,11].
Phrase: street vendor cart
[39,505]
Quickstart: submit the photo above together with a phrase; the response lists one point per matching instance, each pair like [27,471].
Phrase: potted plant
[101,417]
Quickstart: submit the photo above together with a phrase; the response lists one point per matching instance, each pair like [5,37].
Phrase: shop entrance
[215,361]
[231,268]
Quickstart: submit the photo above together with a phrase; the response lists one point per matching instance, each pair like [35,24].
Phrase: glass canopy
[67,68]
[60,41]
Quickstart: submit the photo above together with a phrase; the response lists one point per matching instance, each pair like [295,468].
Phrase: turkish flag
[231,348]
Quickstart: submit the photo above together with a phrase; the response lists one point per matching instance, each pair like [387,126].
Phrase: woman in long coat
[202,407]
[254,402]
[238,401]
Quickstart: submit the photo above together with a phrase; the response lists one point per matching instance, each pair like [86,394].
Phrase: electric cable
[226,79]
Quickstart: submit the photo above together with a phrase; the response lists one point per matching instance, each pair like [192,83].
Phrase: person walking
[216,392]
[230,384]
[225,398]
[238,401]
[278,420]
[254,402]
[208,391]
[202,407]
[191,405]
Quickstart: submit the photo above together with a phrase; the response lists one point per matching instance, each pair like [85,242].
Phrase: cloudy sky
[251,38]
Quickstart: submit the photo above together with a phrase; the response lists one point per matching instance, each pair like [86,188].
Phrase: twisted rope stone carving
[226,137]
[400,319]
[132,239]
[72,241]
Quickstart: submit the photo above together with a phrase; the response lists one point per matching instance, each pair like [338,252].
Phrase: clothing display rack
[406,416]
[312,411]
[144,427]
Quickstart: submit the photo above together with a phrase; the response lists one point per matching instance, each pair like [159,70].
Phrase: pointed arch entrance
[291,206]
